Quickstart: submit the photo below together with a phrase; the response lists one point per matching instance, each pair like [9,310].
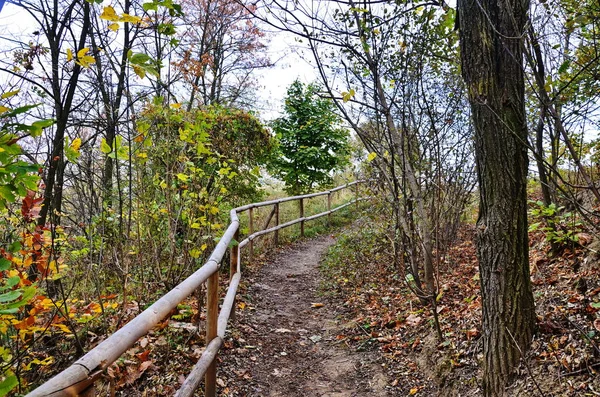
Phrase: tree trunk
[491,36]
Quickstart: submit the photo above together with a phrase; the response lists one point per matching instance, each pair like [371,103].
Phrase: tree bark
[54,31]
[491,35]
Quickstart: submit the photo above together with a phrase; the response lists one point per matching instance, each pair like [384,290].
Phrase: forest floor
[285,338]
[330,316]
[349,327]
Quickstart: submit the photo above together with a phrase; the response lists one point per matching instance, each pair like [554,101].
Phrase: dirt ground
[283,342]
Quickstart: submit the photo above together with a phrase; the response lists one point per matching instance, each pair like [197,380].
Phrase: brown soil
[284,341]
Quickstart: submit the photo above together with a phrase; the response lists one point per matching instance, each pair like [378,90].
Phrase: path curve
[287,344]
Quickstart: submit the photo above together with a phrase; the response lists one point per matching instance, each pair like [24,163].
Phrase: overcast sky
[291,63]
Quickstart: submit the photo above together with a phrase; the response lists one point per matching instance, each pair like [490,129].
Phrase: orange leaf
[143,356]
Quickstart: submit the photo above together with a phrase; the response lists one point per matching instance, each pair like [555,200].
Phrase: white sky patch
[15,22]
[291,62]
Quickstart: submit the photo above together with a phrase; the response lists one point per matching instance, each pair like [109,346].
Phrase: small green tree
[311,142]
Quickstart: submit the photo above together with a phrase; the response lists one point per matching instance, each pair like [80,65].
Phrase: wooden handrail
[81,375]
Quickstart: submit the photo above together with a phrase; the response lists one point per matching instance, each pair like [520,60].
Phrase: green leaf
[10,296]
[11,282]
[168,29]
[10,382]
[19,110]
[7,194]
[28,293]
[150,6]
[4,264]
[15,246]
[38,126]
[140,58]
[564,66]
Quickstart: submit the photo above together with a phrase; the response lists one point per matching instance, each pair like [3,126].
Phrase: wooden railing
[79,378]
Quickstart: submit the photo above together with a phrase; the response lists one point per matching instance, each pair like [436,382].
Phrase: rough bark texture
[490,38]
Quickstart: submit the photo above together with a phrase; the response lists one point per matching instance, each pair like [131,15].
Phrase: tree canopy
[311,142]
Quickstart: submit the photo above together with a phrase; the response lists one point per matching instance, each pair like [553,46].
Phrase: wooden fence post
[251,230]
[302,216]
[329,209]
[212,314]
[276,235]
[233,261]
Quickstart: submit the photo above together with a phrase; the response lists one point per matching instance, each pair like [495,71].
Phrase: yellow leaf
[9,94]
[86,61]
[3,109]
[63,328]
[195,253]
[346,96]
[46,361]
[109,14]
[130,18]
[371,156]
[204,246]
[139,71]
[114,27]
[76,144]
[413,391]
[81,53]
[47,303]
[175,105]
[69,55]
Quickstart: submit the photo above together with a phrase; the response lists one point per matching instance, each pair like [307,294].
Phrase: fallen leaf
[316,305]
[413,320]
[472,333]
[143,356]
[282,330]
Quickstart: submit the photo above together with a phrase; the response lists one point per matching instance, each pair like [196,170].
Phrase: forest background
[118,166]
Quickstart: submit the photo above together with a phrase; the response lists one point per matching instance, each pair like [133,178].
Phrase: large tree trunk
[491,35]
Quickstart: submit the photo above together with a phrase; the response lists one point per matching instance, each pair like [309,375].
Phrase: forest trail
[286,344]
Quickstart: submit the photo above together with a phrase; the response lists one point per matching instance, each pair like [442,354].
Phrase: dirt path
[286,346]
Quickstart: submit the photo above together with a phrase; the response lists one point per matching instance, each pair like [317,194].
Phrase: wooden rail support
[233,263]
[329,209]
[251,229]
[276,234]
[212,319]
[302,216]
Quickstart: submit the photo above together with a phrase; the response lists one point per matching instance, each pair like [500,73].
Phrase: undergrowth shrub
[360,253]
